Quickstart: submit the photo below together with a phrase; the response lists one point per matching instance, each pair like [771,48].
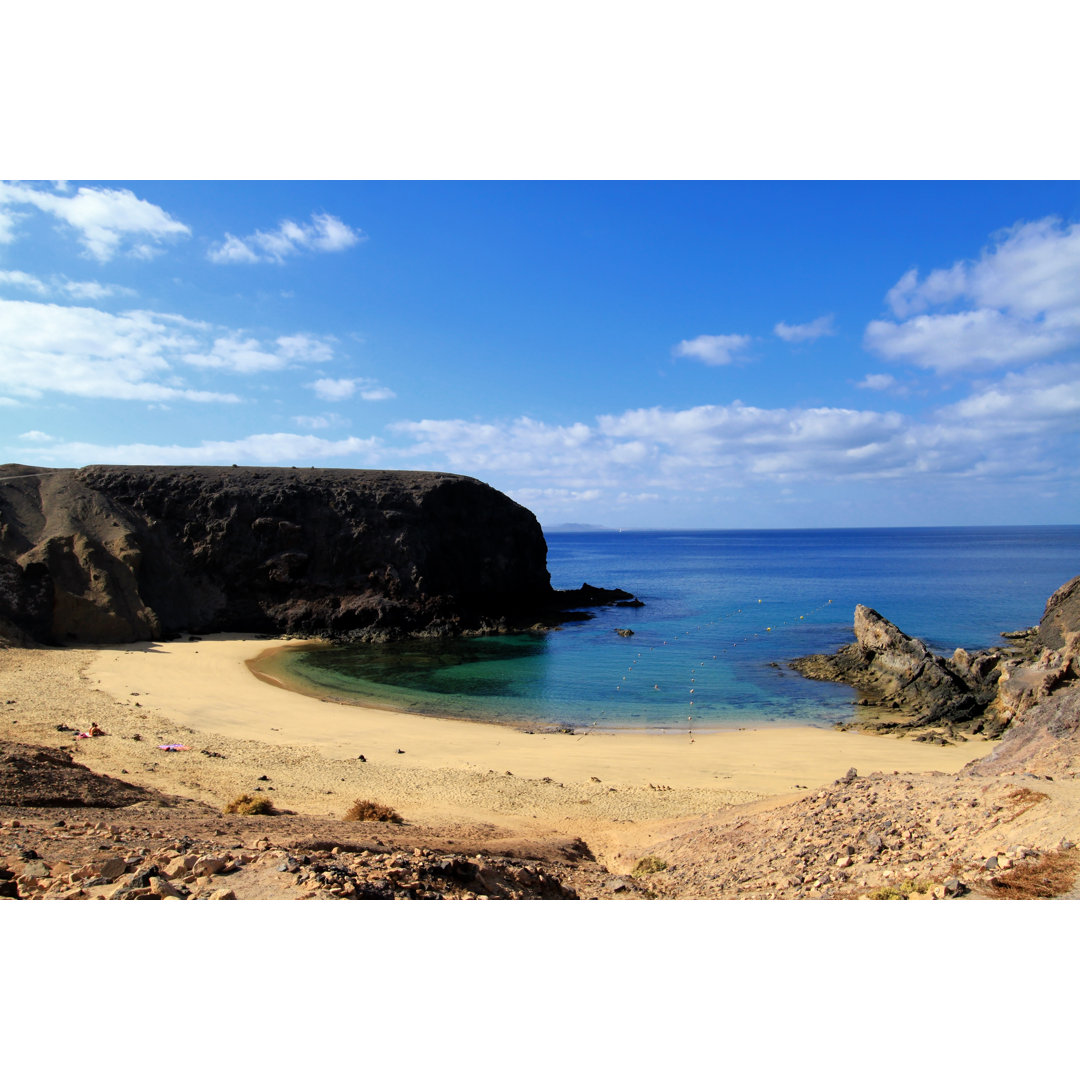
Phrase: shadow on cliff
[122,554]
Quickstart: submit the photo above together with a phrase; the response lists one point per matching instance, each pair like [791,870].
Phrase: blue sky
[631,354]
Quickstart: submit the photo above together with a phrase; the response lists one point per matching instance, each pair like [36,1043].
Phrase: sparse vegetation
[366,810]
[250,804]
[915,885]
[902,890]
[650,864]
[1023,799]
[1050,875]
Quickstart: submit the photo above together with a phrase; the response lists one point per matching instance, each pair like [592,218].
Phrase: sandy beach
[245,734]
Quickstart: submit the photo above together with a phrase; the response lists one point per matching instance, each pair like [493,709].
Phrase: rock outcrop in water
[119,553]
[976,692]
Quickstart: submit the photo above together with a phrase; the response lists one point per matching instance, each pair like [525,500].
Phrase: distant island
[574,526]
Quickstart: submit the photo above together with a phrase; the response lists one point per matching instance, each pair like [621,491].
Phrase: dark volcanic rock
[982,692]
[893,668]
[41,776]
[119,553]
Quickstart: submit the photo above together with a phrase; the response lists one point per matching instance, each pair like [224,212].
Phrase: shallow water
[725,612]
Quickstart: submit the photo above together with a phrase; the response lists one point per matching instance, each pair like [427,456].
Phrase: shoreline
[616,791]
[208,686]
[257,666]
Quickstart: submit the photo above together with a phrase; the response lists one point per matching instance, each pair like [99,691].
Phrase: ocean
[724,613]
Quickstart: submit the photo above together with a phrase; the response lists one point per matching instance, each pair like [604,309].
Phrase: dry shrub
[887,892]
[250,804]
[1050,875]
[650,864]
[902,890]
[366,810]
[1023,799]
[1025,796]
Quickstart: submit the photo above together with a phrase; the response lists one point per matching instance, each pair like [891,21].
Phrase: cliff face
[979,692]
[117,553]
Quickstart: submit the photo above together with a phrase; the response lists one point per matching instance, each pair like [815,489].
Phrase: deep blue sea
[724,612]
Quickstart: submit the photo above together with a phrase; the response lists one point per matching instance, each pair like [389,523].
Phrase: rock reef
[981,692]
[126,553]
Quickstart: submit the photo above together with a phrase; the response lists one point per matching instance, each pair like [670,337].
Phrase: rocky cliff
[118,553]
[976,692]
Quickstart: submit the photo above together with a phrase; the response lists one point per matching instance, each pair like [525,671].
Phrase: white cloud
[104,219]
[77,290]
[140,355]
[524,445]
[528,496]
[92,290]
[36,436]
[880,381]
[325,233]
[374,392]
[232,250]
[681,450]
[246,355]
[342,389]
[320,422]
[18,279]
[83,352]
[811,331]
[279,448]
[1019,302]
[1033,401]
[306,348]
[7,224]
[966,341]
[712,349]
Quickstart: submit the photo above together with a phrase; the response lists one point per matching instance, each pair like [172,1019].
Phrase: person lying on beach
[92,733]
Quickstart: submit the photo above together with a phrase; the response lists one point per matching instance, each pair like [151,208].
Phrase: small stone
[141,880]
[110,869]
[954,887]
[165,890]
[178,867]
[223,894]
[208,865]
[991,863]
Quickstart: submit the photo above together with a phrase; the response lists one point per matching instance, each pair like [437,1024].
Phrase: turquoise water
[724,612]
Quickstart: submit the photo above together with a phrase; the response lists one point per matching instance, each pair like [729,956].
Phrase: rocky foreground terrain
[1004,827]
[68,833]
